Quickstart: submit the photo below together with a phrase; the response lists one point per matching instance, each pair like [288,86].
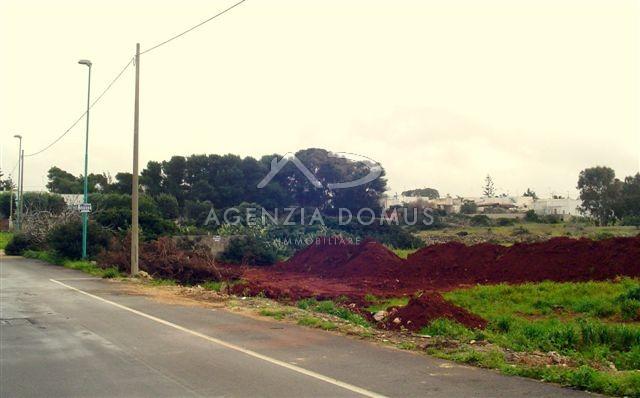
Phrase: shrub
[66,239]
[632,294]
[248,250]
[392,235]
[630,304]
[551,219]
[602,235]
[20,243]
[480,220]
[468,207]
[504,222]
[5,203]
[531,216]
[163,260]
[631,221]
[520,231]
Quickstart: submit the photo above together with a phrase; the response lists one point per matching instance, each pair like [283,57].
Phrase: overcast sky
[441,93]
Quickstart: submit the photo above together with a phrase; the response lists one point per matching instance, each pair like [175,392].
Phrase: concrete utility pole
[21,198]
[85,215]
[19,137]
[11,204]
[134,174]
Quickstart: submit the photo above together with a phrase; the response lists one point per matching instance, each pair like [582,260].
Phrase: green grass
[447,328]
[570,229]
[593,324]
[163,282]
[5,237]
[315,322]
[213,286]
[407,345]
[381,304]
[79,265]
[547,299]
[278,314]
[403,253]
[618,383]
[329,307]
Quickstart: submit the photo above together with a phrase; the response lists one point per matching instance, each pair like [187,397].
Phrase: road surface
[66,334]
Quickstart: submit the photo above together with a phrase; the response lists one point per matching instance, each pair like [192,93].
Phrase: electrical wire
[14,167]
[125,68]
[85,112]
[192,28]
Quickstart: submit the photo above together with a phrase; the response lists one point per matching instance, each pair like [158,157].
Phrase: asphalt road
[65,334]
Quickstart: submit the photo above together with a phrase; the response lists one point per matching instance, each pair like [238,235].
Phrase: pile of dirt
[330,268]
[565,259]
[331,258]
[451,263]
[421,311]
[558,259]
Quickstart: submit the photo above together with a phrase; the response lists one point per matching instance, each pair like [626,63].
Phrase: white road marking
[80,279]
[234,347]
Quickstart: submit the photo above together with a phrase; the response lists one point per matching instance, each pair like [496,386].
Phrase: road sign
[84,207]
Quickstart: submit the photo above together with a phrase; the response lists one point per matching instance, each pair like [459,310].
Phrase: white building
[509,204]
[561,207]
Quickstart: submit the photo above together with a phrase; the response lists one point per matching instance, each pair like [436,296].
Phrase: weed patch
[5,237]
[277,314]
[316,323]
[79,265]
[329,307]
[588,323]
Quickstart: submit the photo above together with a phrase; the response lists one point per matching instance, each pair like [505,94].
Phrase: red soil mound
[558,259]
[328,269]
[330,258]
[564,259]
[427,308]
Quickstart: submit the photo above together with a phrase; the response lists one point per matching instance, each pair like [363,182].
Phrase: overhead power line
[14,167]
[85,112]
[125,68]
[192,28]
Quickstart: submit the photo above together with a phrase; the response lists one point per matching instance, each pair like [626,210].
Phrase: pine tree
[489,189]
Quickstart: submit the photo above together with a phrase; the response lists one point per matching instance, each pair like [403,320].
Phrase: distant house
[448,204]
[504,203]
[561,207]
[501,205]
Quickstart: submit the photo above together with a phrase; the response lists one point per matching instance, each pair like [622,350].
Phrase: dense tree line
[201,181]
[32,201]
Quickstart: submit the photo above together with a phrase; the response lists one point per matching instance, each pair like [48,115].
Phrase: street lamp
[19,209]
[85,214]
